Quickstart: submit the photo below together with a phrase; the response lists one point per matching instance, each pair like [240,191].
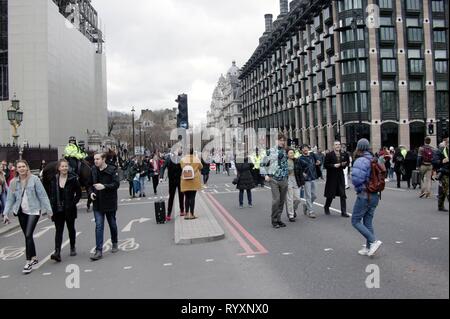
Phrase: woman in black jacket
[173,168]
[410,165]
[65,193]
[205,171]
[245,181]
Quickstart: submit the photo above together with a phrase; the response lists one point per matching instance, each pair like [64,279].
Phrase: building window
[387,53]
[416,66]
[385,4]
[414,54]
[415,5]
[388,102]
[345,5]
[440,36]
[440,54]
[412,22]
[347,36]
[415,34]
[389,65]
[386,21]
[441,66]
[437,6]
[416,103]
[350,102]
[438,23]
[349,67]
[387,34]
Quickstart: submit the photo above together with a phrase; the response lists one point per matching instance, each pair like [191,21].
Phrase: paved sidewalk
[203,229]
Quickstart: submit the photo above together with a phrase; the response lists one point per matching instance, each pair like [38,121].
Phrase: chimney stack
[269,22]
[284,8]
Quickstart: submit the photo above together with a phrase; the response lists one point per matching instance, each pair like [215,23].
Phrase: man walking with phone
[104,195]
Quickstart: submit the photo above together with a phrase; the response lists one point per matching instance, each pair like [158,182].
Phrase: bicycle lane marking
[42,262]
[260,249]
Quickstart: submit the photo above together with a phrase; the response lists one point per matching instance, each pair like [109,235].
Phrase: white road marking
[46,274]
[286,254]
[88,270]
[434,238]
[168,264]
[43,231]
[328,249]
[4,277]
[397,242]
[251,256]
[19,231]
[127,228]
[216,191]
[396,189]
[209,260]
[42,262]
[227,185]
[127,267]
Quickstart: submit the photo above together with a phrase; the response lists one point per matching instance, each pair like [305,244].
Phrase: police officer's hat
[72,139]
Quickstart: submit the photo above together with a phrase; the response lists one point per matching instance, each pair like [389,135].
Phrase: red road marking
[260,248]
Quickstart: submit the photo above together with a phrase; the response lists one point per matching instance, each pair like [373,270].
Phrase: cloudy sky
[157,49]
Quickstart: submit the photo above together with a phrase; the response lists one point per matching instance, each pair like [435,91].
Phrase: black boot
[97,256]
[327,210]
[56,256]
[73,252]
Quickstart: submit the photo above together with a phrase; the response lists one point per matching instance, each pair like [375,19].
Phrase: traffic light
[430,129]
[182,117]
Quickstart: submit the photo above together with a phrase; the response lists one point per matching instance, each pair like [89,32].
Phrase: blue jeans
[241,197]
[310,195]
[100,225]
[142,185]
[391,173]
[363,213]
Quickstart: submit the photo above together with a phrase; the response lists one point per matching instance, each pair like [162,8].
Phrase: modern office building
[52,59]
[304,79]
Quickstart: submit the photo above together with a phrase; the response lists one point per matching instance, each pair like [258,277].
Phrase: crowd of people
[291,174]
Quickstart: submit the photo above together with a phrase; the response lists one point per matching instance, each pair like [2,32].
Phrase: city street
[312,258]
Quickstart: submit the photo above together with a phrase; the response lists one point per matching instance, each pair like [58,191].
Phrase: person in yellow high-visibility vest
[256,159]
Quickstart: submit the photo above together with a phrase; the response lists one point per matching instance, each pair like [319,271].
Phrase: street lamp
[356,16]
[132,123]
[140,138]
[15,117]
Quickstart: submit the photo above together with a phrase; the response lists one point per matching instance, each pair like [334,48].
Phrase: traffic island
[201,230]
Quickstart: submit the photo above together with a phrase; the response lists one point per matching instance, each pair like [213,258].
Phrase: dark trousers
[100,225]
[155,179]
[259,180]
[408,177]
[28,224]
[217,168]
[173,187]
[205,178]
[131,188]
[60,219]
[189,201]
[241,197]
[343,204]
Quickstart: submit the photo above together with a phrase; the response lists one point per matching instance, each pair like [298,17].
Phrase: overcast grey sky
[157,49]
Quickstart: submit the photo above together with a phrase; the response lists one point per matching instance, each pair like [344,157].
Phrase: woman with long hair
[27,200]
[190,181]
[65,193]
[3,188]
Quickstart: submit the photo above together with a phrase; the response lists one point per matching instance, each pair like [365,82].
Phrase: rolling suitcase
[415,178]
[160,212]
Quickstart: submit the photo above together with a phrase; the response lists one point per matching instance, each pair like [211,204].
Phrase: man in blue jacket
[366,203]
[309,162]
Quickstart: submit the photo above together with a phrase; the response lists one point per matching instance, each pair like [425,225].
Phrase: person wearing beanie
[366,203]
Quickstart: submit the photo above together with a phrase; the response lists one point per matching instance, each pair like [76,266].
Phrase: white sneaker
[364,251]
[27,268]
[374,248]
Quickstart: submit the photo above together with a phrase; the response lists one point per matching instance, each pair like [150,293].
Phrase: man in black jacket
[104,195]
[172,163]
[443,169]
[335,163]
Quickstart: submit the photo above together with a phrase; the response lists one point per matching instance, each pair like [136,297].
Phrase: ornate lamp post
[132,123]
[15,117]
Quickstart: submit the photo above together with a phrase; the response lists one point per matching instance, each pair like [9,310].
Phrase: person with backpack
[190,182]
[308,163]
[295,181]
[425,166]
[399,164]
[368,177]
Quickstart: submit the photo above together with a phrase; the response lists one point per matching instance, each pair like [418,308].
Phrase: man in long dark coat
[335,163]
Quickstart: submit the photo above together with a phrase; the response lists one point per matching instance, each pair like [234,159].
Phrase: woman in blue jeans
[366,203]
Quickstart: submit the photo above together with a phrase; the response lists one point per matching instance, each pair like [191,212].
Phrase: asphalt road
[308,259]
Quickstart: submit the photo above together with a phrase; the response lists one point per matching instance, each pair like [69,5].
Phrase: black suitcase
[415,178]
[160,212]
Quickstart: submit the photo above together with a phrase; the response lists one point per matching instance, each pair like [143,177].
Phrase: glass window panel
[415,85]
[414,54]
[388,85]
[440,54]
